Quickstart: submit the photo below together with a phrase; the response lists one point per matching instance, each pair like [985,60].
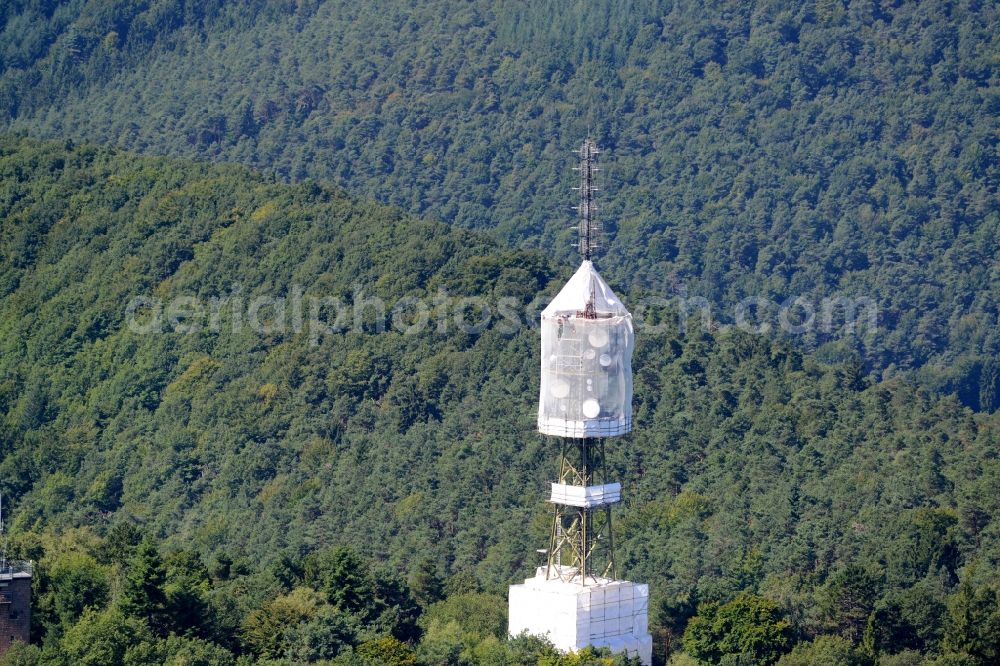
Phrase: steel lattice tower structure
[581,544]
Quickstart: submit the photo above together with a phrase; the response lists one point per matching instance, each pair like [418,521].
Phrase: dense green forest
[766,149]
[202,493]
[210,466]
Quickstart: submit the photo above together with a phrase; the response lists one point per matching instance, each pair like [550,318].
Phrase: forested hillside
[305,497]
[816,149]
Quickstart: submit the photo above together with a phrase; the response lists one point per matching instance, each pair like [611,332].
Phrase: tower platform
[586,497]
[603,613]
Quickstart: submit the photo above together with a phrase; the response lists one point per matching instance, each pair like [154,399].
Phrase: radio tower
[575,599]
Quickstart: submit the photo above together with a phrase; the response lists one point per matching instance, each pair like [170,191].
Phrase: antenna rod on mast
[589,226]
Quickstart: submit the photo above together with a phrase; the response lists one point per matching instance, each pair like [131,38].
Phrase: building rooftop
[16,569]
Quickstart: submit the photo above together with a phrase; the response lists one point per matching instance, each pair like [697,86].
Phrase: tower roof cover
[585,285]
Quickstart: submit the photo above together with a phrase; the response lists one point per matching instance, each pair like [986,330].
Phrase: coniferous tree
[973,625]
[142,589]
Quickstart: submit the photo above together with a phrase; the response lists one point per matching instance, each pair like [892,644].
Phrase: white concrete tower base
[606,613]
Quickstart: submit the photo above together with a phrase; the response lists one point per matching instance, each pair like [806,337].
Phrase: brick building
[15,603]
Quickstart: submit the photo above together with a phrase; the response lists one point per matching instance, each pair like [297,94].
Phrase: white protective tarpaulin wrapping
[586,496]
[586,387]
[609,613]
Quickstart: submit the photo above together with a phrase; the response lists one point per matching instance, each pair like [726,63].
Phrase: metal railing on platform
[16,568]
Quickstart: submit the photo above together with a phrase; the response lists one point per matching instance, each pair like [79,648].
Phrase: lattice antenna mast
[590,228]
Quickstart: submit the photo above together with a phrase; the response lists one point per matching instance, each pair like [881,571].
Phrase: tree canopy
[821,150]
[367,494]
